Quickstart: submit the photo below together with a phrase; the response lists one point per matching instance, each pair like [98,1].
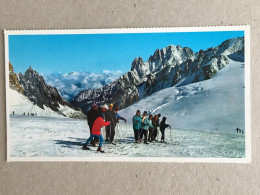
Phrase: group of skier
[148,127]
[97,118]
[144,126]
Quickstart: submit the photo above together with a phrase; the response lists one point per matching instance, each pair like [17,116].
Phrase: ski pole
[171,134]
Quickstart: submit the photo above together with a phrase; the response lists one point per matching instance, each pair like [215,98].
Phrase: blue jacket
[137,122]
[147,123]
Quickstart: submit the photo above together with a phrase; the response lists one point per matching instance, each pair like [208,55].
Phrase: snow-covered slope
[214,104]
[20,105]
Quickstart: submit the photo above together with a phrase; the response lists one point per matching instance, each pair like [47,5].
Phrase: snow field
[64,137]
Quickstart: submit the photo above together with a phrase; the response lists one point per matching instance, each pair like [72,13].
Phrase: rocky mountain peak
[13,80]
[137,63]
[39,92]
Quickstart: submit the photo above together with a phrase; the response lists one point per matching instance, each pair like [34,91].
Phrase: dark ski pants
[152,134]
[162,131]
[98,136]
[110,133]
[136,132]
[144,133]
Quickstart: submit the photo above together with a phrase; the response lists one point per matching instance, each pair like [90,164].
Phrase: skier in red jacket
[96,131]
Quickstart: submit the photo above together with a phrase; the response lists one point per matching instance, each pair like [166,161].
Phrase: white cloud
[70,84]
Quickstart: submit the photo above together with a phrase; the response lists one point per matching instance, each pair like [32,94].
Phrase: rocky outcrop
[39,92]
[13,80]
[121,92]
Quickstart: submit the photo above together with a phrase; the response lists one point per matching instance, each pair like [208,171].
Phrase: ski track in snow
[64,137]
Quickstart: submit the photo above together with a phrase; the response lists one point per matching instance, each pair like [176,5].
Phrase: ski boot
[85,147]
[100,149]
[112,142]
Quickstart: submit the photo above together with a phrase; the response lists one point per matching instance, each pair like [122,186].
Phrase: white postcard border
[244,28]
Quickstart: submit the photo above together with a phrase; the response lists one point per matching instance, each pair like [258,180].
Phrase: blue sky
[97,52]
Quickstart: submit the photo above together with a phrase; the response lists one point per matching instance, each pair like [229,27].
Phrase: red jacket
[99,122]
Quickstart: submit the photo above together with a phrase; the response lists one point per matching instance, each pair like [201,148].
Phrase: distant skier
[238,130]
[13,112]
[137,120]
[163,126]
[147,123]
[92,115]
[96,131]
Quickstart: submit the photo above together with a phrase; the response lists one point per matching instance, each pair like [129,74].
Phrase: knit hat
[104,106]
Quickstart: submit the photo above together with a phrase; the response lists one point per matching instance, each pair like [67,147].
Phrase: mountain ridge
[169,66]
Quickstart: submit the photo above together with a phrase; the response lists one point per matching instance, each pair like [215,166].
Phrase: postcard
[132,95]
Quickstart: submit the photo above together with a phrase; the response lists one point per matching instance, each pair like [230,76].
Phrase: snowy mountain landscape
[214,104]
[201,94]
[167,67]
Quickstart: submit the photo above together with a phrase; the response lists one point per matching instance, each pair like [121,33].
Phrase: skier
[92,115]
[96,131]
[137,124]
[163,125]
[142,130]
[118,117]
[238,130]
[110,129]
[147,122]
[153,131]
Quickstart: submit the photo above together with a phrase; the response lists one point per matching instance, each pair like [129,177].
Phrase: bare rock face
[121,92]
[167,67]
[39,92]
[13,80]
